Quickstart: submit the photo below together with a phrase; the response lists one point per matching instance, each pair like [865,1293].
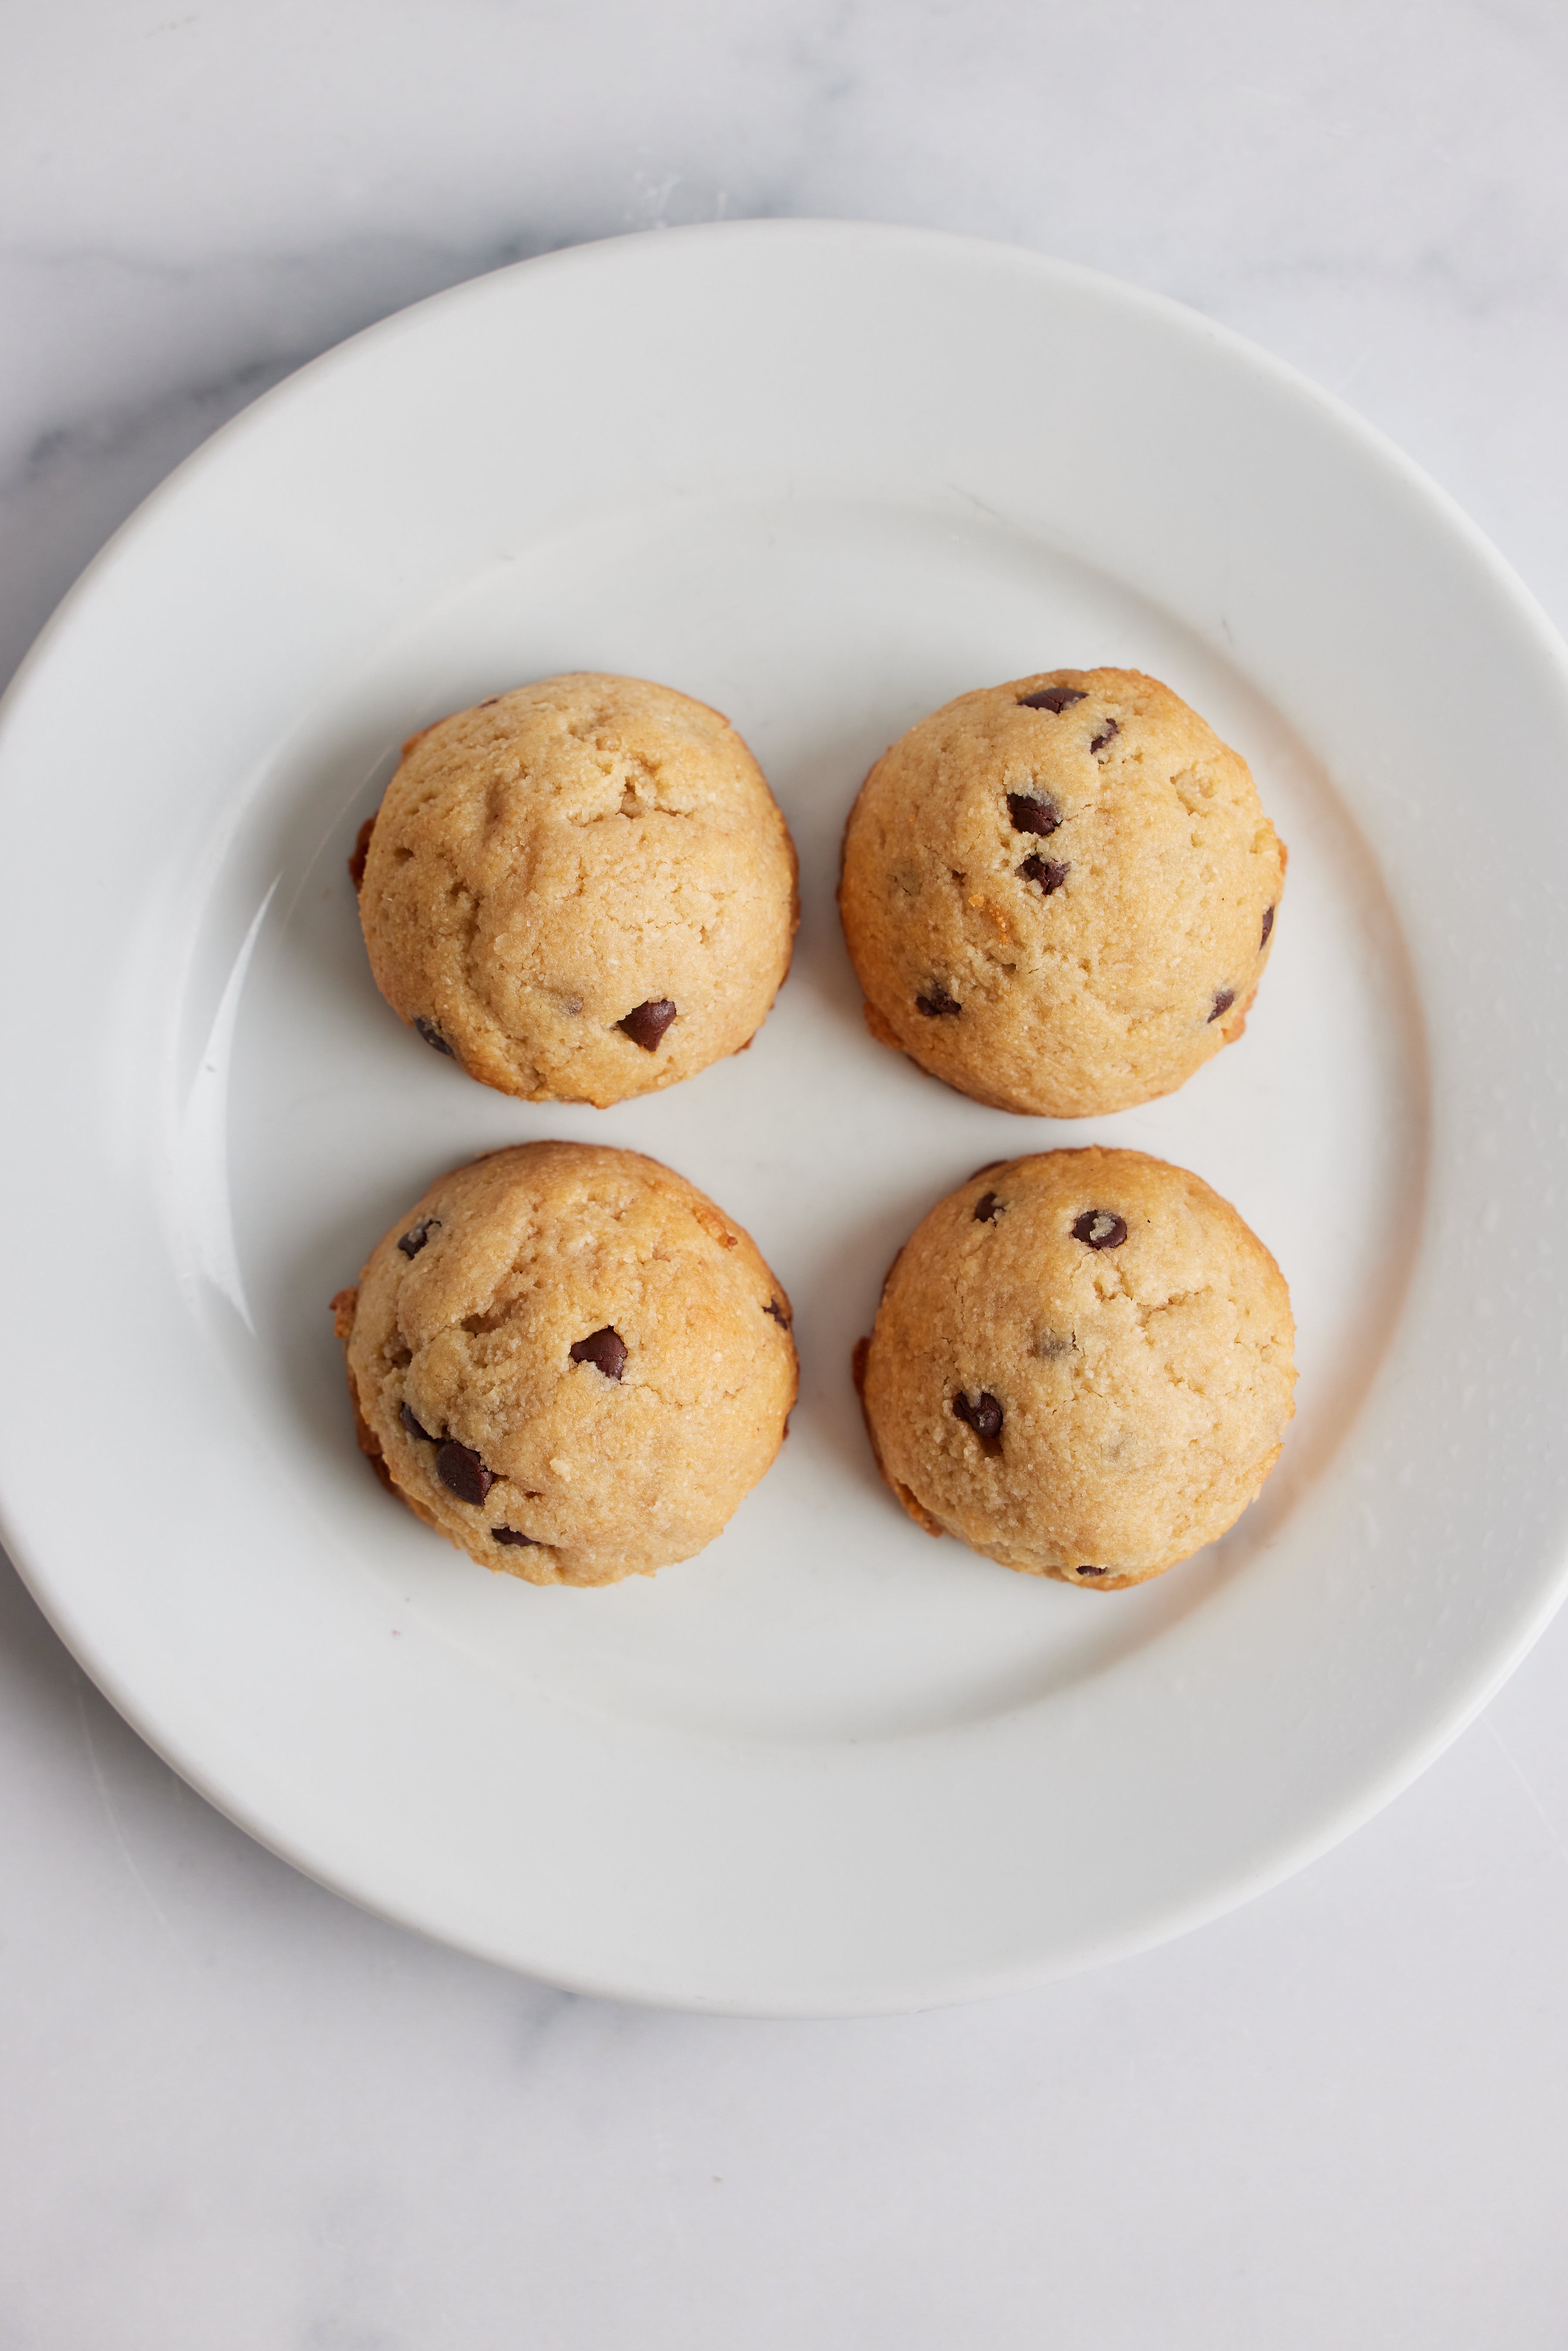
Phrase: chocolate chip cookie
[1082,1365]
[580,891]
[568,1361]
[1060,894]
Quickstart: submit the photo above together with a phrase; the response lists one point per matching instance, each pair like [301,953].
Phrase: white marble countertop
[240,2113]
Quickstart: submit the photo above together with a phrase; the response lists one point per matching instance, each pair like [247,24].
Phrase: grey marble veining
[239,2113]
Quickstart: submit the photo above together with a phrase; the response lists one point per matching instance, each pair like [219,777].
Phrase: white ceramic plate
[823,477]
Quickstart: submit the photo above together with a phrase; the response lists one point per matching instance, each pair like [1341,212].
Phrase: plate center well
[823,629]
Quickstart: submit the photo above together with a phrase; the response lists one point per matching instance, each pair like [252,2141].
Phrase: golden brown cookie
[582,891]
[1082,1365]
[1059,893]
[568,1361]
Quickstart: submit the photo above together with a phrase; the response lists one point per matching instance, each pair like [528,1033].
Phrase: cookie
[1082,1366]
[582,890]
[568,1361]
[1059,895]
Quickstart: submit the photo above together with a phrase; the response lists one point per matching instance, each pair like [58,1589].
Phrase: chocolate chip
[1108,733]
[938,1005]
[1033,813]
[646,1023]
[405,1414]
[858,1362]
[510,1534]
[605,1348]
[1042,871]
[1268,926]
[490,704]
[1093,1571]
[413,1240]
[361,850]
[987,1208]
[984,1417]
[1051,697]
[1097,1229]
[778,1313]
[461,1472]
[432,1036]
[1223,1002]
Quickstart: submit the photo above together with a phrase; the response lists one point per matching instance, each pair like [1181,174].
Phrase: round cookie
[1059,893]
[582,891]
[568,1361]
[1082,1365]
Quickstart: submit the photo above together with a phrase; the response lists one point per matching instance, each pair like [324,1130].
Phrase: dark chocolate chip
[1097,1229]
[1223,1002]
[987,1208]
[646,1023]
[858,1362]
[413,1240]
[432,1036]
[778,1313]
[1033,813]
[1268,926]
[490,704]
[984,1417]
[361,850]
[461,1472]
[510,1534]
[1108,733]
[605,1348]
[1093,1571]
[1041,869]
[938,1005]
[405,1414]
[1051,697]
